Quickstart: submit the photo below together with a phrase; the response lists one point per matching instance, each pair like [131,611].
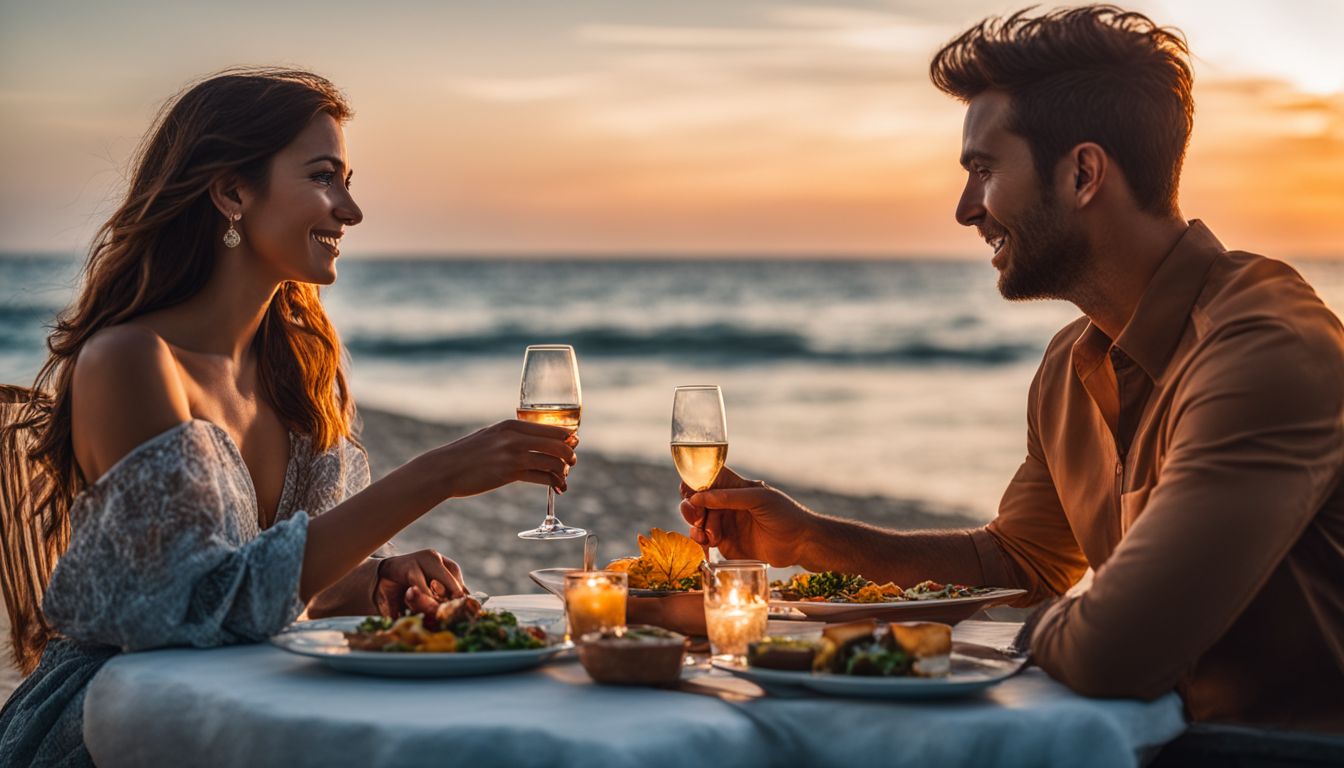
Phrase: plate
[322,639]
[948,610]
[974,668]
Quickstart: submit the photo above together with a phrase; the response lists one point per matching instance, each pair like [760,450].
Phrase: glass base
[559,531]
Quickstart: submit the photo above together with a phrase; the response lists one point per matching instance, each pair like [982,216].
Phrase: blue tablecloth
[257,705]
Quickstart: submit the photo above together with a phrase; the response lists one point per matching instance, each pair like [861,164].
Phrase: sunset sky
[619,128]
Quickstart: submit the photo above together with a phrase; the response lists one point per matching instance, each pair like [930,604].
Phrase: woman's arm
[351,595]
[482,461]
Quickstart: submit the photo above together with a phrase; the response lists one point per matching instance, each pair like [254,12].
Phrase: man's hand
[746,519]
[417,582]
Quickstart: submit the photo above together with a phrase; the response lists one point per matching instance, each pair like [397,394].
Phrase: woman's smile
[328,239]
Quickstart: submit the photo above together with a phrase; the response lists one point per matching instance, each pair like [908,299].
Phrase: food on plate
[837,587]
[458,626]
[667,561]
[932,590]
[842,639]
[862,648]
[786,653]
[634,655]
[927,643]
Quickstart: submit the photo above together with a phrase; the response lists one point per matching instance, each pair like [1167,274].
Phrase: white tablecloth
[257,705]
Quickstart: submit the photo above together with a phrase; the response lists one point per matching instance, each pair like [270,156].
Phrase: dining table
[258,705]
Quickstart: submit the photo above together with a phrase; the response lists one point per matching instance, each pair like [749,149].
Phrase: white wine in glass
[555,415]
[550,394]
[699,434]
[699,463]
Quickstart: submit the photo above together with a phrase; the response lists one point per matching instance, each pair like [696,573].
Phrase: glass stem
[550,521]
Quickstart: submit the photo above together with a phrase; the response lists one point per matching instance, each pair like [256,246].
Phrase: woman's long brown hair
[157,250]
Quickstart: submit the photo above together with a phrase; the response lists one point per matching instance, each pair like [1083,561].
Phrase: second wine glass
[699,434]
[550,394]
[699,438]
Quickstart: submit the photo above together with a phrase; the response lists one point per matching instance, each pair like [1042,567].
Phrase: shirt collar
[1159,320]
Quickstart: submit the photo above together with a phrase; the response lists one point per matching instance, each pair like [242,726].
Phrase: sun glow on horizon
[609,128]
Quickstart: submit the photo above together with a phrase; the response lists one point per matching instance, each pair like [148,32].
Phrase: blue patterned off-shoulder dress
[165,550]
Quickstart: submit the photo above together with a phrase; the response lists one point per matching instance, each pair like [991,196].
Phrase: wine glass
[699,436]
[550,395]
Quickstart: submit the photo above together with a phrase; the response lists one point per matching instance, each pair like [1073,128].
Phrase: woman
[191,432]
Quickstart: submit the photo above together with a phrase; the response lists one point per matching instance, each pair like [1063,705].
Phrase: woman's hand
[506,452]
[417,582]
[746,519]
[343,536]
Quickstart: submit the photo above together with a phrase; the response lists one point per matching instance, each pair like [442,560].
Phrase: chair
[27,552]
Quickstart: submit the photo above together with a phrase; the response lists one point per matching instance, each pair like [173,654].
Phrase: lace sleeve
[165,551]
[357,478]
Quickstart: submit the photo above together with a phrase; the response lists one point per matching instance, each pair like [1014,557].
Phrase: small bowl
[682,612]
[641,655]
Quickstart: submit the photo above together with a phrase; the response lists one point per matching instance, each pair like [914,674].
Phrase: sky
[698,127]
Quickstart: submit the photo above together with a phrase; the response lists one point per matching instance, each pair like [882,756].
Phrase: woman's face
[295,226]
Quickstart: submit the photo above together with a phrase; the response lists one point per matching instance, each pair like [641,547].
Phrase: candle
[733,625]
[594,601]
[736,607]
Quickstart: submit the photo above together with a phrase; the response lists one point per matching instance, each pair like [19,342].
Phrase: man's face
[1039,250]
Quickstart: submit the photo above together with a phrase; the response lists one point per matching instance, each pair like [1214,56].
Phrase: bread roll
[930,643]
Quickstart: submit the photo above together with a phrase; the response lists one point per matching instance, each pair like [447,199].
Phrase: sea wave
[722,342]
[27,314]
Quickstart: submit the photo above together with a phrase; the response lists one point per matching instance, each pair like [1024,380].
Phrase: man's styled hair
[1091,74]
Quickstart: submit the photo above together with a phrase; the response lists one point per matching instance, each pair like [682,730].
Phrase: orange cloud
[1265,165]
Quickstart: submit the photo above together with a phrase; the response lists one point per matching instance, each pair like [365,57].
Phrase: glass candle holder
[595,601]
[737,605]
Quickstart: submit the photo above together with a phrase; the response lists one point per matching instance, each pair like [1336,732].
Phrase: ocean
[905,379]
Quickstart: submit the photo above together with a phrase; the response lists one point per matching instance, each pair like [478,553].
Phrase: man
[1185,437]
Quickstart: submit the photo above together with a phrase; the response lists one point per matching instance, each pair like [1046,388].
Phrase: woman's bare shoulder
[126,388]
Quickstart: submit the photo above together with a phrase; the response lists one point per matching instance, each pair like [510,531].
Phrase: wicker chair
[23,542]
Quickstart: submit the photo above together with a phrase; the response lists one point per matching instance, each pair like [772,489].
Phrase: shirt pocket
[1131,506]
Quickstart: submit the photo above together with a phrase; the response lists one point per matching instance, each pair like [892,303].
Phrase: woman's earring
[231,237]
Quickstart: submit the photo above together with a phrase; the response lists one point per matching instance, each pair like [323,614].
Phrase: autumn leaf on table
[667,560]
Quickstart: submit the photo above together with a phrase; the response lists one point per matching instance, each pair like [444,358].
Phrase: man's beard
[1047,256]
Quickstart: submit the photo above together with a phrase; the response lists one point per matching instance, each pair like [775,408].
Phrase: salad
[837,587]
[458,626]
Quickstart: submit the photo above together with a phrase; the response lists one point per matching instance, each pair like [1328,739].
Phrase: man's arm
[1029,545]
[903,557]
[1255,448]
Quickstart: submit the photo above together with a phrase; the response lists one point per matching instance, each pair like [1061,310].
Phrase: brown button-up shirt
[1195,464]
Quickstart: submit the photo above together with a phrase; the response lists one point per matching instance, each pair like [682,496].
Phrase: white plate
[949,610]
[974,668]
[323,640]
